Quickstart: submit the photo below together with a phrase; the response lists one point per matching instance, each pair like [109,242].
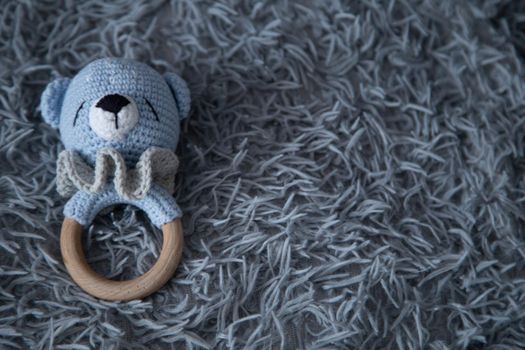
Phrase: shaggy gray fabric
[351,177]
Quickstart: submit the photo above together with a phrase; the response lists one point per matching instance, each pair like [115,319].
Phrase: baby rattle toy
[119,121]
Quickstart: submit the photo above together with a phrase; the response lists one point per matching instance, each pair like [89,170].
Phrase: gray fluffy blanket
[351,176]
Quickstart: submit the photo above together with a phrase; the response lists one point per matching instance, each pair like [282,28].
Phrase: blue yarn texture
[162,104]
[159,205]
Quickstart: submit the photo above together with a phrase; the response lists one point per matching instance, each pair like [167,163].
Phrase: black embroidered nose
[112,103]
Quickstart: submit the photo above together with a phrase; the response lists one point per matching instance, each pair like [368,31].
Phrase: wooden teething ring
[103,288]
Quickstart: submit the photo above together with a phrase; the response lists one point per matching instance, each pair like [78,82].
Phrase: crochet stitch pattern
[157,165]
[119,121]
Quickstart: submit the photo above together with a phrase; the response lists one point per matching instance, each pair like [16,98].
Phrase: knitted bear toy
[119,121]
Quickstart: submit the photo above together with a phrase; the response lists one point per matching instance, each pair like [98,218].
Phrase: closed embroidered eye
[152,109]
[78,111]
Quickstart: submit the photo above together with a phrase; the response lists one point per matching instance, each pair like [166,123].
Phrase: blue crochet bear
[119,121]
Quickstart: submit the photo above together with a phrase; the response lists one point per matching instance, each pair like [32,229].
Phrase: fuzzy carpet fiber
[351,176]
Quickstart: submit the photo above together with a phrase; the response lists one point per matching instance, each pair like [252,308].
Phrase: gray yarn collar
[156,165]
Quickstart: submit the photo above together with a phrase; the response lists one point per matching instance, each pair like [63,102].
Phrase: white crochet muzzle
[112,116]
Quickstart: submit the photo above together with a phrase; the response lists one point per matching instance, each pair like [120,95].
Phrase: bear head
[116,103]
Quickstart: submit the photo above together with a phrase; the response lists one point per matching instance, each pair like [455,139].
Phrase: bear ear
[180,91]
[51,100]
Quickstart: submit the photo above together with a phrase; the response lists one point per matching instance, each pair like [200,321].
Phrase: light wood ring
[137,288]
